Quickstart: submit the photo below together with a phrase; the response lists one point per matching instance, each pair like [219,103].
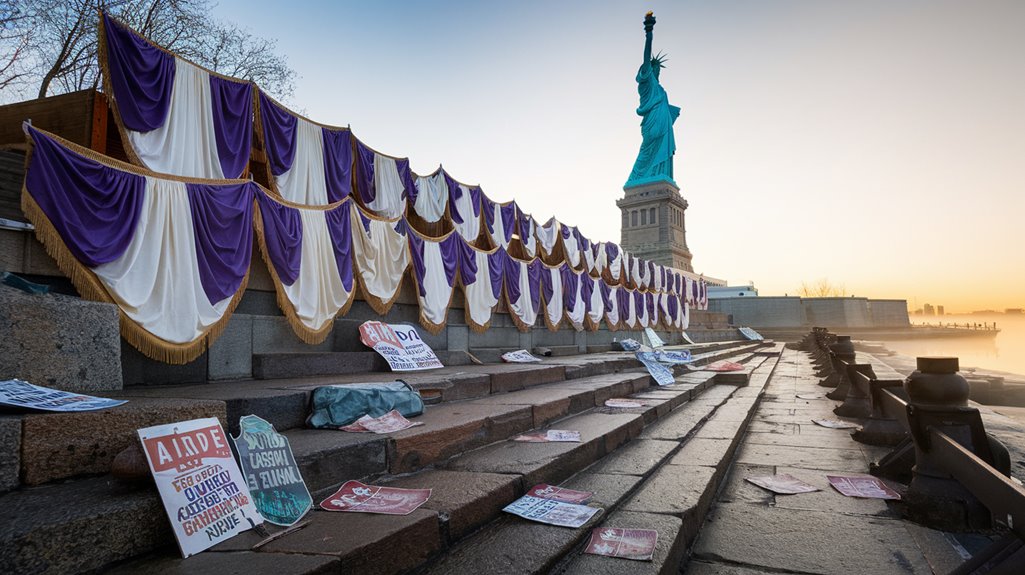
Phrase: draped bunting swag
[173,252]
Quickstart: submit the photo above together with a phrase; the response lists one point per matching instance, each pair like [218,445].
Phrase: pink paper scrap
[784,484]
[636,544]
[862,486]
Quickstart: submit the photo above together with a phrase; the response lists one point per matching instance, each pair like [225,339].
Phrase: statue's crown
[659,60]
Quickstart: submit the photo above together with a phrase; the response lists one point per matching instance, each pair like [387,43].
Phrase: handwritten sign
[278,490]
[400,345]
[356,497]
[18,393]
[203,491]
[674,357]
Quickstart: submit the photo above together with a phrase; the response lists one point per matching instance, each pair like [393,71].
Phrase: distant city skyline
[874,143]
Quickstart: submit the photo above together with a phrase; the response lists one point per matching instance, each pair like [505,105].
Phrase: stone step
[310,364]
[56,446]
[470,488]
[663,479]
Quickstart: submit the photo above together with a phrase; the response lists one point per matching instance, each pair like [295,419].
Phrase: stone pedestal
[59,341]
[654,225]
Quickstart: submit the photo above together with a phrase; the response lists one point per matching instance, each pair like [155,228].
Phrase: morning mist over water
[1005,352]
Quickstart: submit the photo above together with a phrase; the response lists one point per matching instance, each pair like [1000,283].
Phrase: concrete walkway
[751,530]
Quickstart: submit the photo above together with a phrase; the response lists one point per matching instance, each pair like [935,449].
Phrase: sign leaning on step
[278,490]
[203,491]
[400,345]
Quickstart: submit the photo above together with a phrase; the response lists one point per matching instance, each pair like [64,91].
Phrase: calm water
[1006,352]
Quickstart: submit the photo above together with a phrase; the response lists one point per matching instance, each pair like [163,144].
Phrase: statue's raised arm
[655,158]
[649,25]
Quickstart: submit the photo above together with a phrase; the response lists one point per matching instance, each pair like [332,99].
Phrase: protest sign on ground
[18,393]
[623,403]
[653,339]
[558,435]
[835,423]
[387,423]
[356,497]
[659,372]
[400,345]
[784,484]
[277,487]
[636,544]
[862,486]
[551,512]
[555,493]
[202,488]
[674,357]
[520,356]
[751,334]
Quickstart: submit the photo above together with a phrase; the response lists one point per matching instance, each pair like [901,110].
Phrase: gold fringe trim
[90,287]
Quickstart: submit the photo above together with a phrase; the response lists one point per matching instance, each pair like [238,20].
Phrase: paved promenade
[751,530]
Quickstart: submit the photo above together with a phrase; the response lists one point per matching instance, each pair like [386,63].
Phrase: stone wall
[832,312]
[889,312]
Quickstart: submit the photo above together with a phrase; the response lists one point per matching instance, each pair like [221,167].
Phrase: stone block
[309,364]
[61,445]
[327,457]
[274,335]
[10,452]
[213,563]
[366,543]
[685,491]
[458,338]
[59,341]
[80,526]
[636,458]
[514,377]
[670,547]
[452,428]
[805,458]
[231,355]
[137,369]
[468,500]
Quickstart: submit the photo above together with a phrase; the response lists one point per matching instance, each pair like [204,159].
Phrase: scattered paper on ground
[555,493]
[551,512]
[562,435]
[862,486]
[387,423]
[724,365]
[636,544]
[619,402]
[18,393]
[810,396]
[520,356]
[653,339]
[835,424]
[674,357]
[784,484]
[630,344]
[356,497]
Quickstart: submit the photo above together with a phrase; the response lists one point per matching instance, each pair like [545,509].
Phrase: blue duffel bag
[339,405]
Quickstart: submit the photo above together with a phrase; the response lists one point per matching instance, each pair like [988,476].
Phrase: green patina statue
[655,159]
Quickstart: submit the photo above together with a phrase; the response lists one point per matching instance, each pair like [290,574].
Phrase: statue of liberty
[655,159]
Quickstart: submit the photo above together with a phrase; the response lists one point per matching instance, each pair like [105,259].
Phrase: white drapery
[304,182]
[388,202]
[579,313]
[480,298]
[156,281]
[498,235]
[596,309]
[523,308]
[431,197]
[437,293]
[464,206]
[612,316]
[382,256]
[555,307]
[186,145]
[317,294]
[547,235]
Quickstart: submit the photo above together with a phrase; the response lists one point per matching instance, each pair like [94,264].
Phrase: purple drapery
[455,192]
[283,237]
[496,271]
[337,163]
[339,227]
[453,257]
[623,303]
[141,76]
[525,225]
[508,215]
[673,305]
[535,270]
[638,297]
[611,251]
[406,175]
[279,128]
[365,173]
[94,208]
[694,290]
[222,221]
[546,284]
[455,248]
[606,295]
[586,290]
[649,302]
[570,283]
[232,108]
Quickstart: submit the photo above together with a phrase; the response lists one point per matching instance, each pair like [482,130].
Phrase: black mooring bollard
[938,399]
[842,351]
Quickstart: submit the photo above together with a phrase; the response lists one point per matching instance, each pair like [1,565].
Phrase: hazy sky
[877,143]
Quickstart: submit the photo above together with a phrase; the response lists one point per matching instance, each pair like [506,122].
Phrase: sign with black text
[278,490]
[400,345]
